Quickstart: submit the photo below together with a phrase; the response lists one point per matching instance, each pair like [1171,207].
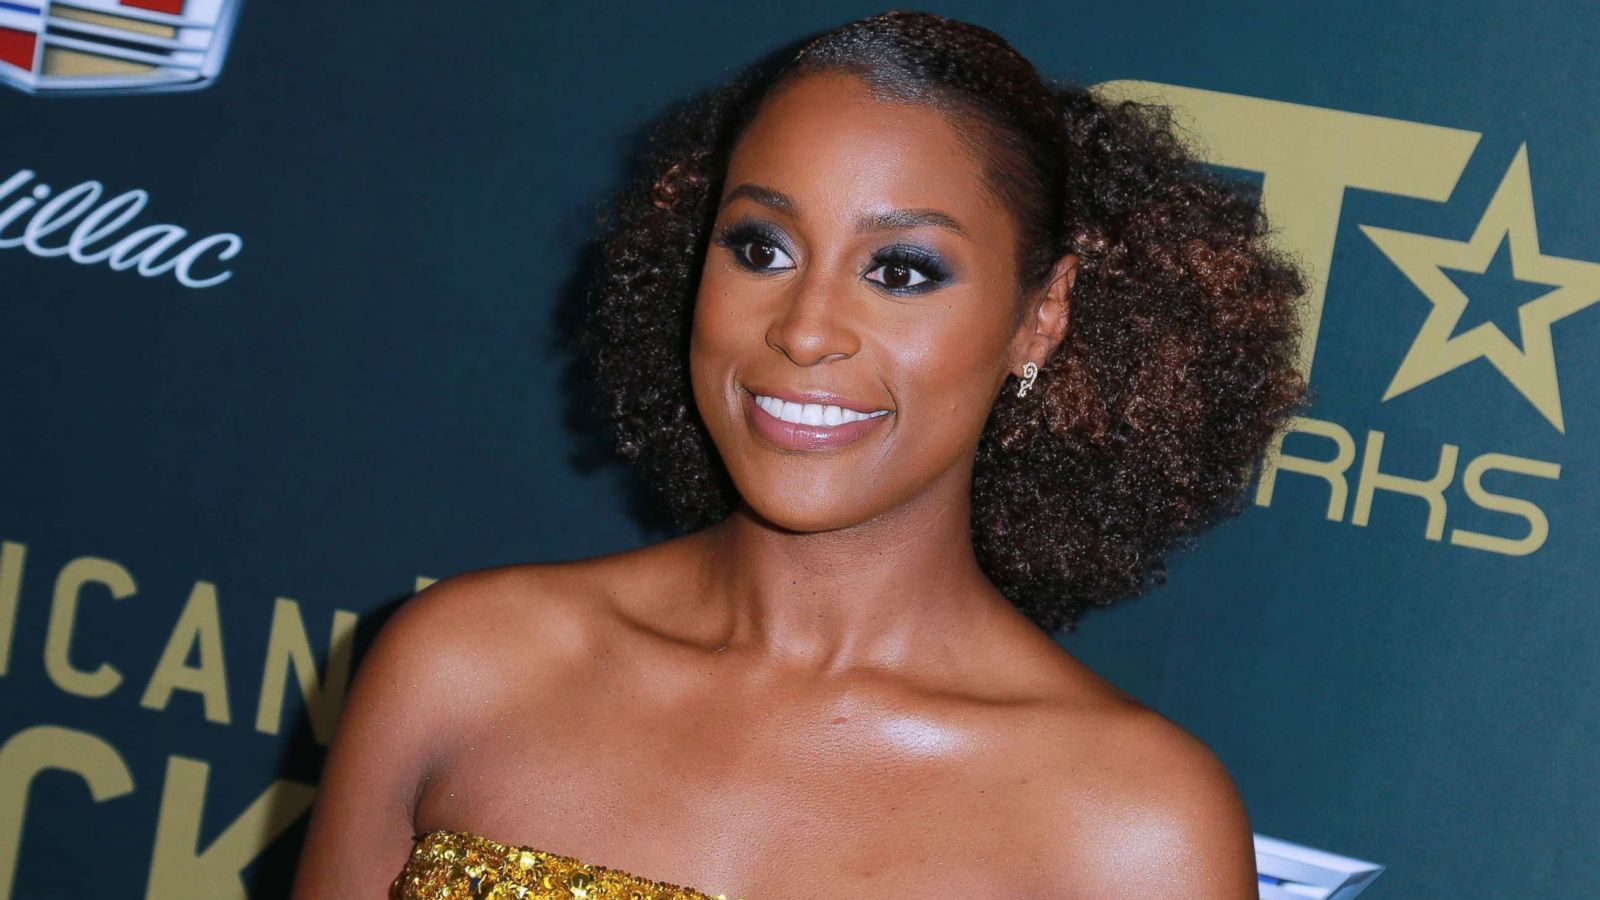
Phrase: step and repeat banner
[286,291]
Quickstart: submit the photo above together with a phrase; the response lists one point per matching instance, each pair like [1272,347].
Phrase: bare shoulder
[468,638]
[1131,804]
[447,628]
[508,629]
[1175,823]
[448,653]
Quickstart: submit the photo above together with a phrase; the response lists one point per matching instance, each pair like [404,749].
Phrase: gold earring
[1029,370]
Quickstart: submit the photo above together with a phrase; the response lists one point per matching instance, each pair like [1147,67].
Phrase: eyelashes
[740,237]
[907,268]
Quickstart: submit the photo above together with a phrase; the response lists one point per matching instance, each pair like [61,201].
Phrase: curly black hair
[1145,422]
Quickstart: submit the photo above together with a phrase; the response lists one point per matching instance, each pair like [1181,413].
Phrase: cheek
[716,320]
[708,327]
[717,334]
[951,367]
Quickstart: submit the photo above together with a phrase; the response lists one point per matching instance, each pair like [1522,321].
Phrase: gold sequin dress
[462,865]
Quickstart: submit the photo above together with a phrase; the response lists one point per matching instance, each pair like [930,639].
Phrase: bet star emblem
[1531,368]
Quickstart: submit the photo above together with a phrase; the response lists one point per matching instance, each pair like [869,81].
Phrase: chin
[782,510]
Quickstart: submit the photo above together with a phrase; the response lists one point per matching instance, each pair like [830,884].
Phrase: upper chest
[784,795]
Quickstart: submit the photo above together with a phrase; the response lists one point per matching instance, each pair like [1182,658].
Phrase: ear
[1046,324]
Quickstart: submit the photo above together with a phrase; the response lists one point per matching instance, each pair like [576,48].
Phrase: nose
[812,326]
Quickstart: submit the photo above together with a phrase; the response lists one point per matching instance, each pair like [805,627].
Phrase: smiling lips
[807,426]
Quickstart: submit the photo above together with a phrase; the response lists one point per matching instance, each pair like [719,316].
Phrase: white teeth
[812,413]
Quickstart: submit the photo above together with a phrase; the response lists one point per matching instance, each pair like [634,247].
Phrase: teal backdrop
[211,496]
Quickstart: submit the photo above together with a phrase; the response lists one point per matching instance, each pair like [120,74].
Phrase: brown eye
[757,253]
[898,276]
[755,248]
[761,254]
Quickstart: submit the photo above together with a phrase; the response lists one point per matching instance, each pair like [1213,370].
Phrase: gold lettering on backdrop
[1331,471]
[200,627]
[198,631]
[1372,479]
[33,750]
[1538,525]
[11,557]
[1308,156]
[1429,490]
[179,869]
[74,576]
[288,647]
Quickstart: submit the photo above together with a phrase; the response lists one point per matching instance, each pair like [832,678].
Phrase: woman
[840,682]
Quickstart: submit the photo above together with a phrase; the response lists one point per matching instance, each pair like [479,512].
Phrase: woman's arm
[1171,823]
[361,827]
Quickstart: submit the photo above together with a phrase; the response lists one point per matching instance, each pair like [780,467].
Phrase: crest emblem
[113,46]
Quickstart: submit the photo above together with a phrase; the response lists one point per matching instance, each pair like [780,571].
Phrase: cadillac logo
[113,46]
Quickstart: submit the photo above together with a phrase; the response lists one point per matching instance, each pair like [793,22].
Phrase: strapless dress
[463,865]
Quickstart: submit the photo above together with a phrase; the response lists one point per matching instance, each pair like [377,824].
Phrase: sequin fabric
[461,865]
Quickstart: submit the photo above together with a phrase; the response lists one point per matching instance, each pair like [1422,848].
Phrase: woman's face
[856,262]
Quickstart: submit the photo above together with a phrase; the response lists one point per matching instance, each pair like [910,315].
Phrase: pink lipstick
[802,435]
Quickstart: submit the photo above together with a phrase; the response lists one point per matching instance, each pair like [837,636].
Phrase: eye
[906,269]
[899,268]
[898,276]
[756,247]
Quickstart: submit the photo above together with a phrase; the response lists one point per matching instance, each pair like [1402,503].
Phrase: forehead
[838,150]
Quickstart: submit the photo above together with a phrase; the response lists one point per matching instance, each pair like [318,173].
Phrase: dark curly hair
[1144,423]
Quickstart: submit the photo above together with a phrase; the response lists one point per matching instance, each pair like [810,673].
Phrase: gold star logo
[1531,368]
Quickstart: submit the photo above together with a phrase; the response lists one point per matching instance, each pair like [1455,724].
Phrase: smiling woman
[840,680]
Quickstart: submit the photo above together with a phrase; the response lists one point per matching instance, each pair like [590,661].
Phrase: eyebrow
[882,221]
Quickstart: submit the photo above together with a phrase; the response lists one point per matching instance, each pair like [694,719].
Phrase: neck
[879,594]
